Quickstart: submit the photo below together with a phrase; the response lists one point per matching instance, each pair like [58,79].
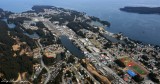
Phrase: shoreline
[65,38]
[94,17]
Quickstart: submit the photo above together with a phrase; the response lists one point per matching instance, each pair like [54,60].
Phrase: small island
[141,10]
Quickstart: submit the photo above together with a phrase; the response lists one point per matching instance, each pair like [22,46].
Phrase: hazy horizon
[132,25]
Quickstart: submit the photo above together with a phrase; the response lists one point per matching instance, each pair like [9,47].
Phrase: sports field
[127,61]
[131,64]
[139,70]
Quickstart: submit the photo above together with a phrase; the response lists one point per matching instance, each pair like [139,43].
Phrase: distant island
[141,10]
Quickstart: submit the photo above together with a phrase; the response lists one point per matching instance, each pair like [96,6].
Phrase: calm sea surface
[71,47]
[142,27]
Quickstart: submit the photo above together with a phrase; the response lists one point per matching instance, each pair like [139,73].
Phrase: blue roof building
[131,73]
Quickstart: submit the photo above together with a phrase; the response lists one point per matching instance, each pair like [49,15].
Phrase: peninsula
[51,45]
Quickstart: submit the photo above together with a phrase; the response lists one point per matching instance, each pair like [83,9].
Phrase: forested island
[141,10]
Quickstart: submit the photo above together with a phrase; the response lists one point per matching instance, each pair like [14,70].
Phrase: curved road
[42,63]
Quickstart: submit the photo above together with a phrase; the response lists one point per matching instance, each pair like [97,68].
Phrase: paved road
[52,28]
[42,63]
[90,75]
[108,69]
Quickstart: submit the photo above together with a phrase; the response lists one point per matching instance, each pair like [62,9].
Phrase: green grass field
[139,70]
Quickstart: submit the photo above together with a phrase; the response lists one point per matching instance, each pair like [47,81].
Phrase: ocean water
[71,47]
[142,27]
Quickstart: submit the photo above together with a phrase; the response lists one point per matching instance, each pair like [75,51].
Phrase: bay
[142,27]
[71,47]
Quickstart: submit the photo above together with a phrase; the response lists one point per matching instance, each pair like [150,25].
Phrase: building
[147,82]
[131,73]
